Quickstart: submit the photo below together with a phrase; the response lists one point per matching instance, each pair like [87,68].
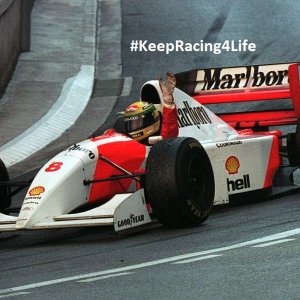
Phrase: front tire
[5,199]
[179,182]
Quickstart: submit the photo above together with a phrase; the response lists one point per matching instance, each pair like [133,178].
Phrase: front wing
[123,211]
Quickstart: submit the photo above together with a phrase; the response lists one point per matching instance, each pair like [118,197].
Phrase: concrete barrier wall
[14,36]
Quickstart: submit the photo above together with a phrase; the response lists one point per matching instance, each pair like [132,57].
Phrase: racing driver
[143,120]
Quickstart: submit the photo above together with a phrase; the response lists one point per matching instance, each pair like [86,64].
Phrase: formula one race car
[114,180]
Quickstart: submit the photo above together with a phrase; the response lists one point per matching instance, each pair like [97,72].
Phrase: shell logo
[232,165]
[36,191]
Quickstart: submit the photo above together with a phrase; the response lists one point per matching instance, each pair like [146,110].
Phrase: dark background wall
[14,35]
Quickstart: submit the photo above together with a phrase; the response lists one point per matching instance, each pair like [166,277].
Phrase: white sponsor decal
[132,219]
[189,116]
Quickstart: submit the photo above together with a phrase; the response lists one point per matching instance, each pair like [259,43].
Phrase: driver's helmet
[141,120]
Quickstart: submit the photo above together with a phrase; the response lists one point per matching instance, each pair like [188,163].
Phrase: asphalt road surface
[241,252]
[248,251]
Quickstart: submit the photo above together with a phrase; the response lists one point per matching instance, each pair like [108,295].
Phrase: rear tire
[293,146]
[5,199]
[179,182]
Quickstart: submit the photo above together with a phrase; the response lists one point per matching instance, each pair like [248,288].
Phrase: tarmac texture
[66,88]
[57,72]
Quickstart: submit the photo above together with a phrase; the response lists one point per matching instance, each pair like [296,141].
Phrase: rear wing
[244,84]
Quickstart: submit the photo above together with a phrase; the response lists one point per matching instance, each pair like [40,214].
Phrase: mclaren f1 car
[113,180]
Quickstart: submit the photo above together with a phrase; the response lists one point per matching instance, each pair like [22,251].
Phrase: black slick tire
[179,182]
[5,199]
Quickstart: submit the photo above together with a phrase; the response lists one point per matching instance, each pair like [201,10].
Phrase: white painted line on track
[268,238]
[71,102]
[73,99]
[273,243]
[105,277]
[14,295]
[127,85]
[197,259]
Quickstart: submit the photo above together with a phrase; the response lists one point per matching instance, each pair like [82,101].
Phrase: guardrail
[15,23]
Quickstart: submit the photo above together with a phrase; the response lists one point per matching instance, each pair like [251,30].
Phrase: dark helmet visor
[139,122]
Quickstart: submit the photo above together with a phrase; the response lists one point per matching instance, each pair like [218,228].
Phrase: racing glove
[167,89]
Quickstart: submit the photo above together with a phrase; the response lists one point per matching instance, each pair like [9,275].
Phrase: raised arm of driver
[169,128]
[167,89]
